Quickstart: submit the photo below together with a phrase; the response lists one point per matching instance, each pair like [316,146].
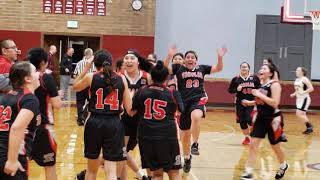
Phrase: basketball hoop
[315,15]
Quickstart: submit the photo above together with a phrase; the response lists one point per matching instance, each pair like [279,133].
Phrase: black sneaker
[246,176]
[81,175]
[80,123]
[187,165]
[281,172]
[145,178]
[283,138]
[309,130]
[195,149]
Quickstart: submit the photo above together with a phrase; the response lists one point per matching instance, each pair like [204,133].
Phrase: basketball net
[315,16]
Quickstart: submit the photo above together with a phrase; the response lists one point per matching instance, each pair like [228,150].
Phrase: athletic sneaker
[308,130]
[281,172]
[195,149]
[81,175]
[246,141]
[144,178]
[246,176]
[187,165]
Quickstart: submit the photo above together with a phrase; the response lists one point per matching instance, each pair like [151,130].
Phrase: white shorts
[303,103]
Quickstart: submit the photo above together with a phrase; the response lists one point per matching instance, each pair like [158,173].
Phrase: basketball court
[222,155]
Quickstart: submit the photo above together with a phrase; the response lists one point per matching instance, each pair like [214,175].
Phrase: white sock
[283,165]
[249,169]
[139,174]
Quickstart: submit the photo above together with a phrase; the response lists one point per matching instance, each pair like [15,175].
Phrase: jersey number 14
[111,100]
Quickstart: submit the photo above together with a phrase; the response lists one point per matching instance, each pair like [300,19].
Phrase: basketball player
[158,142]
[268,120]
[44,147]
[190,77]
[172,79]
[242,85]
[136,68]
[303,87]
[270,62]
[20,116]
[103,128]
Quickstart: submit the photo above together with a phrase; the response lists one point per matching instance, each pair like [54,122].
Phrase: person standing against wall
[8,54]
[65,72]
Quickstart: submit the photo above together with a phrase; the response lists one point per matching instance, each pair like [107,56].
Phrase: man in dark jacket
[66,72]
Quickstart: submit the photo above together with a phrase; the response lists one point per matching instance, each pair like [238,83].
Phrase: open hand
[222,51]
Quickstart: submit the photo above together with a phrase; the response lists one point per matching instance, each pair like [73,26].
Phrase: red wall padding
[118,45]
[23,39]
[218,94]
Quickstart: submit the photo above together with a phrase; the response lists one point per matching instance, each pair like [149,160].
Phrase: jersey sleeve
[30,102]
[233,86]
[175,68]
[50,85]
[178,100]
[206,69]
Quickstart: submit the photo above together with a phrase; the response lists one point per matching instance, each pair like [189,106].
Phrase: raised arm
[219,66]
[172,51]
[84,79]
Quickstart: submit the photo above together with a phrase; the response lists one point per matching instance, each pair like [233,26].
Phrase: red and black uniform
[10,105]
[44,147]
[247,83]
[157,132]
[191,87]
[131,123]
[267,120]
[103,128]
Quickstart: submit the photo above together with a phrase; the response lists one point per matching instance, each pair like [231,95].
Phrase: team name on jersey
[192,74]
[247,84]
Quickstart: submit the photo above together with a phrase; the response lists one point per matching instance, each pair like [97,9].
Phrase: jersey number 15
[157,107]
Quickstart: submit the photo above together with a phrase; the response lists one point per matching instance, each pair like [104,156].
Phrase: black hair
[272,69]
[18,72]
[177,54]
[103,60]
[192,52]
[36,56]
[159,72]
[119,64]
[4,44]
[245,63]
[154,57]
[144,64]
[270,61]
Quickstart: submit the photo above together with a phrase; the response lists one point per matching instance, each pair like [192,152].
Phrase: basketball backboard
[298,11]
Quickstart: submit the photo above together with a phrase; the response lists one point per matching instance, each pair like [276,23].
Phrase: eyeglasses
[13,47]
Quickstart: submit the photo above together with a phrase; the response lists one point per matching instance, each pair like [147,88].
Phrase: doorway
[289,45]
[78,43]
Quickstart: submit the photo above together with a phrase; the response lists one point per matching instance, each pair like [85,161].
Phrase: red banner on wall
[47,6]
[101,7]
[69,7]
[90,7]
[79,7]
[58,7]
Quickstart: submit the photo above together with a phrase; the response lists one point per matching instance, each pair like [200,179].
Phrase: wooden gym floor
[222,155]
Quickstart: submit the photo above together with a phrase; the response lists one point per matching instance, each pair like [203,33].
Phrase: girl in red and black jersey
[190,78]
[44,147]
[268,120]
[172,79]
[20,116]
[156,106]
[136,70]
[103,129]
[242,85]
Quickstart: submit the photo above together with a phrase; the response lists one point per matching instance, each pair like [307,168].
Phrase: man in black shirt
[66,72]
